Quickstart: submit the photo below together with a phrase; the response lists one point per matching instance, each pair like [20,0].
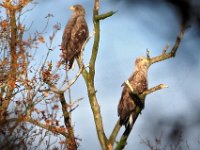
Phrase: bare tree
[24,88]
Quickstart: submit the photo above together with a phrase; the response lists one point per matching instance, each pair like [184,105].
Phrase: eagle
[74,36]
[129,101]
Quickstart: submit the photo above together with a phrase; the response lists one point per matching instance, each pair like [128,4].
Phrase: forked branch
[173,51]
[89,77]
[165,55]
[118,126]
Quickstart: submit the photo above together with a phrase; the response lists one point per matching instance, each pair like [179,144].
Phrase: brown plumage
[128,102]
[74,36]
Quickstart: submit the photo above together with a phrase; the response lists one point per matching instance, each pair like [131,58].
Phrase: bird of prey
[75,34]
[129,101]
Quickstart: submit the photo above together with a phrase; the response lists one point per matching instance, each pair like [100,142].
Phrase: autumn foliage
[29,111]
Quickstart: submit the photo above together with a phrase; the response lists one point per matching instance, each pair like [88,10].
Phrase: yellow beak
[72,8]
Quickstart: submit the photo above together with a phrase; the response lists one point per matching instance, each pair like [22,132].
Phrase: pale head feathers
[78,10]
[141,63]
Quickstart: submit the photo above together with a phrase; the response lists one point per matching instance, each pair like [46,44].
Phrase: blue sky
[125,36]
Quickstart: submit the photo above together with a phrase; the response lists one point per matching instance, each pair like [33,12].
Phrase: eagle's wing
[66,38]
[75,34]
[128,102]
[139,82]
[126,106]
[79,35]
[67,33]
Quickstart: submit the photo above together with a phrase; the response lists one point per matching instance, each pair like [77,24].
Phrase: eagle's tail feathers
[70,64]
[129,121]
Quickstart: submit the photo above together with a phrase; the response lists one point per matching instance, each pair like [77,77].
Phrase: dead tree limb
[90,74]
[165,55]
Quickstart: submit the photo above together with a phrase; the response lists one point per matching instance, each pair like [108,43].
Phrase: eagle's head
[141,63]
[78,9]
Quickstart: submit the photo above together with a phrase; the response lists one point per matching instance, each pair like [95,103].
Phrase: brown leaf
[4,24]
[12,84]
[55,107]
[50,65]
[48,122]
[58,64]
[62,142]
[41,39]
[46,93]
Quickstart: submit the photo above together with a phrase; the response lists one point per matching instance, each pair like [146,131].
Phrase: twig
[72,109]
[173,51]
[165,49]
[146,92]
[80,59]
[75,102]
[53,129]
[74,80]
[147,143]
[54,89]
[148,54]
[69,95]
[153,89]
[87,40]
[104,16]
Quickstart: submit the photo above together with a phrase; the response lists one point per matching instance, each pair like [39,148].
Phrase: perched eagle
[128,102]
[74,36]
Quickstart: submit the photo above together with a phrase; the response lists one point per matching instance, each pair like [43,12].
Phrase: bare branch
[173,51]
[165,49]
[87,40]
[121,144]
[53,129]
[54,89]
[89,80]
[149,91]
[70,140]
[104,16]
[153,89]
[74,80]
[80,58]
[148,54]
[114,133]
[75,102]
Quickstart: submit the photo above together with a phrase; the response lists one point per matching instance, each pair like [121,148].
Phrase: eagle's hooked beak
[72,8]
